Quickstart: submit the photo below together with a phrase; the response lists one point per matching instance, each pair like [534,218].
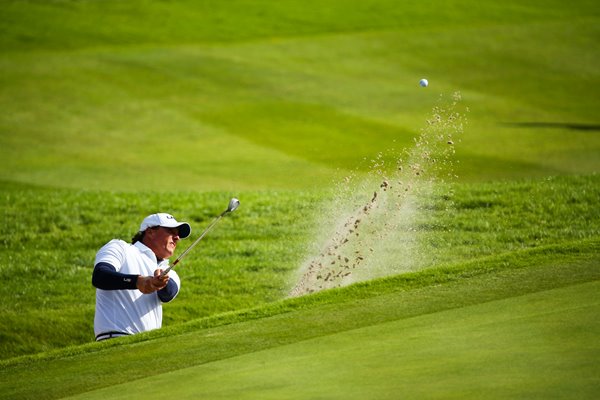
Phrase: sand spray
[370,228]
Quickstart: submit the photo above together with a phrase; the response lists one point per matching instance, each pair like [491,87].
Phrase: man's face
[162,241]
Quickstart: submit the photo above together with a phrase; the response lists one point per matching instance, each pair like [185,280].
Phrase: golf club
[233,204]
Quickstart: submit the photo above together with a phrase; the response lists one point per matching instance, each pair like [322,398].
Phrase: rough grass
[252,257]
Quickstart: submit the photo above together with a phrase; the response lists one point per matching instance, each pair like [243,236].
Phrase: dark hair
[138,237]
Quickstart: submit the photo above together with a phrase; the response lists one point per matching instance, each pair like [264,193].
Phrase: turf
[252,257]
[113,110]
[400,298]
[495,349]
[201,101]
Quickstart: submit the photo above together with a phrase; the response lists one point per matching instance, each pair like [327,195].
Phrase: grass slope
[50,238]
[401,301]
[492,350]
[244,95]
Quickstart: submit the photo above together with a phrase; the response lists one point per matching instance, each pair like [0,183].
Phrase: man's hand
[150,284]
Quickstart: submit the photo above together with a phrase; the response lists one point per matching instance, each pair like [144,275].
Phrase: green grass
[493,349]
[252,257]
[116,109]
[243,95]
[50,239]
[465,288]
[142,21]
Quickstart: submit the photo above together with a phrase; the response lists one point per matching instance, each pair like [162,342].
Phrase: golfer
[129,290]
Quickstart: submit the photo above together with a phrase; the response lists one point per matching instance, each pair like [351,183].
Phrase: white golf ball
[423,82]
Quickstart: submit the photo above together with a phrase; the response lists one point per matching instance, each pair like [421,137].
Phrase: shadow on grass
[555,125]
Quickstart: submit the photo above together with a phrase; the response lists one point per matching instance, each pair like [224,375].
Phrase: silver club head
[233,204]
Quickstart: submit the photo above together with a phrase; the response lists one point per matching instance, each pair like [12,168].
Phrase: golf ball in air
[423,82]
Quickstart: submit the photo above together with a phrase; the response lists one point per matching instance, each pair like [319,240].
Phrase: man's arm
[106,277]
[169,292]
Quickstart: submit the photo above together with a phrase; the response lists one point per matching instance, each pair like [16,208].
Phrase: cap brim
[184,230]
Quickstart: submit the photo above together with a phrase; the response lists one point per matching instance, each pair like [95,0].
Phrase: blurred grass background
[238,95]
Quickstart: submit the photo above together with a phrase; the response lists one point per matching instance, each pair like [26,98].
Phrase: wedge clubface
[233,205]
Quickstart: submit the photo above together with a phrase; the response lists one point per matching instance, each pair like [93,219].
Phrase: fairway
[244,95]
[539,345]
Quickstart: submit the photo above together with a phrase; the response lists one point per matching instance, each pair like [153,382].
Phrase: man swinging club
[130,287]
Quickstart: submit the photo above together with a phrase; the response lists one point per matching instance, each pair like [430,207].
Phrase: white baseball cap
[167,221]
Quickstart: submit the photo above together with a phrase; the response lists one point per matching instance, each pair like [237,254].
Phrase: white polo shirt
[129,311]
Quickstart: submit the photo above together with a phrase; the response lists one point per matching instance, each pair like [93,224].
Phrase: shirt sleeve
[112,253]
[109,260]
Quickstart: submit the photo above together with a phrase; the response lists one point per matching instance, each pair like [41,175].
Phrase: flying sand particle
[424,160]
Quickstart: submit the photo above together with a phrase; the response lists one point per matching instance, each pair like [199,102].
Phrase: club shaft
[166,271]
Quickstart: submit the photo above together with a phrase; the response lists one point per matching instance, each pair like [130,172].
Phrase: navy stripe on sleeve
[106,277]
